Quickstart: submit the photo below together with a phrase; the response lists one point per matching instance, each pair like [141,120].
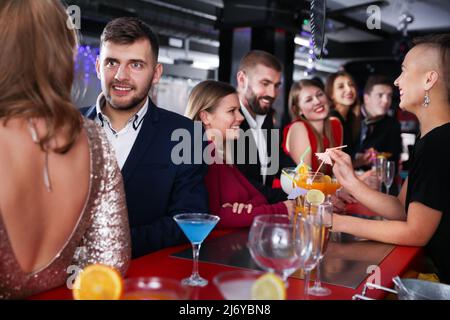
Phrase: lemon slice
[327,179]
[269,287]
[315,197]
[98,282]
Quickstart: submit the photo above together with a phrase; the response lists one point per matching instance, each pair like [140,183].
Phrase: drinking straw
[336,148]
[290,178]
[302,158]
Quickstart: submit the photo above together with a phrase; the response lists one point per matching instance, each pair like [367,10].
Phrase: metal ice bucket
[411,289]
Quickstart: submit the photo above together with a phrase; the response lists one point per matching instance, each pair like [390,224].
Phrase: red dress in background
[336,131]
[226,184]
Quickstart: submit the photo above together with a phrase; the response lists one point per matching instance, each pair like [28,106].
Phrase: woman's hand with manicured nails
[343,169]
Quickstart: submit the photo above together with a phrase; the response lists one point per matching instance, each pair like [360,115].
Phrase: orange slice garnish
[303,169]
[98,282]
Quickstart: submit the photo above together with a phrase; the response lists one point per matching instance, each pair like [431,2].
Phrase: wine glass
[322,221]
[196,227]
[278,244]
[380,166]
[389,174]
[287,184]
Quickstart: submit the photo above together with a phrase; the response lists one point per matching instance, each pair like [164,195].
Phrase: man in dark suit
[380,132]
[257,150]
[156,186]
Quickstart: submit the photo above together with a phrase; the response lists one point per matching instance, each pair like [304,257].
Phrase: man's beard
[135,101]
[254,104]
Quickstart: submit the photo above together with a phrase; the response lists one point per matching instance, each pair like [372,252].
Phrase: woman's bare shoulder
[298,127]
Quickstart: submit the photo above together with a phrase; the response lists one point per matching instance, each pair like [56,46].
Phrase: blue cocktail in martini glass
[196,227]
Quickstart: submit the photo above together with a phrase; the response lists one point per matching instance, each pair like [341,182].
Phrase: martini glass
[196,227]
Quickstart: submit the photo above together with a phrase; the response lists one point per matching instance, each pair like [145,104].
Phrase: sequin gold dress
[101,234]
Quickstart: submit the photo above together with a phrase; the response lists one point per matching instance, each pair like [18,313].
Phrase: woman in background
[61,198]
[231,195]
[341,89]
[312,127]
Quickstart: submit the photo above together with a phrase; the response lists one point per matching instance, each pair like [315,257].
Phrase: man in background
[258,85]
[380,132]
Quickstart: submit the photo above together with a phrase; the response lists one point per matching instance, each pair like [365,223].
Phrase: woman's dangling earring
[426,100]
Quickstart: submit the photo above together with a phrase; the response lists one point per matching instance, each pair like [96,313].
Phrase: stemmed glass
[287,184]
[380,166]
[196,227]
[279,245]
[389,174]
[322,221]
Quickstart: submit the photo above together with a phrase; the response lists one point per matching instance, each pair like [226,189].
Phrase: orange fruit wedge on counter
[98,282]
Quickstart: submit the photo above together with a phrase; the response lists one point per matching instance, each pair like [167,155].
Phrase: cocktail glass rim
[183,216]
[258,219]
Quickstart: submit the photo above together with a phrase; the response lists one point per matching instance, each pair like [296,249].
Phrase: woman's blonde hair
[37,67]
[294,109]
[206,96]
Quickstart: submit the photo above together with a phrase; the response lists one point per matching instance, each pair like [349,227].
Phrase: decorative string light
[85,62]
[84,70]
[311,68]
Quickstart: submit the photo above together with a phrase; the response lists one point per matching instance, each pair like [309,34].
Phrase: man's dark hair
[256,57]
[319,83]
[442,43]
[128,30]
[376,80]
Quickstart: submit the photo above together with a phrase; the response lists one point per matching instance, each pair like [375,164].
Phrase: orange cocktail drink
[332,187]
[311,180]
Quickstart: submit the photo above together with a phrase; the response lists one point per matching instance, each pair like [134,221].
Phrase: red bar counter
[161,264]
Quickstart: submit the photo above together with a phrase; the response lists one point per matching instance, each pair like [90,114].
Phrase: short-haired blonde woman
[231,195]
[420,214]
[61,194]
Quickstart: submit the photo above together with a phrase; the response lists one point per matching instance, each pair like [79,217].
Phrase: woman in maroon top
[312,127]
[231,195]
